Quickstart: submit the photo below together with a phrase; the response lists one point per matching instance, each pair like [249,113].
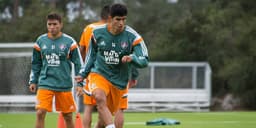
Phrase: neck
[55,35]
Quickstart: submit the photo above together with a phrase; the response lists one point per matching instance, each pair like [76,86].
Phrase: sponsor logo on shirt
[111,57]
[53,59]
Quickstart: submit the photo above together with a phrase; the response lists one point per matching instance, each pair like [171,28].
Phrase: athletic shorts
[89,100]
[114,95]
[124,101]
[64,101]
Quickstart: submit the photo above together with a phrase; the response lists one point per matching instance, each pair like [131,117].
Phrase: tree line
[221,32]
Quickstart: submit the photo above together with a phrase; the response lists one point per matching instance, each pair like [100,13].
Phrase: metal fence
[15,67]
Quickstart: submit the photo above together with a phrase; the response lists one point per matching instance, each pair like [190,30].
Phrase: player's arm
[75,57]
[82,51]
[134,76]
[84,41]
[89,61]
[139,57]
[134,73]
[36,64]
[82,47]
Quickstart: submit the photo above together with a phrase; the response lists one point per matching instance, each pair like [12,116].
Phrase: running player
[88,100]
[113,49]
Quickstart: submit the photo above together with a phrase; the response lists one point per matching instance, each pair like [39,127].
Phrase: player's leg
[102,108]
[65,103]
[87,121]
[40,118]
[68,117]
[44,104]
[99,123]
[89,104]
[100,91]
[119,118]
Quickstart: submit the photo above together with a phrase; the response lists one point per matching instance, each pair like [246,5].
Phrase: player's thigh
[65,102]
[44,99]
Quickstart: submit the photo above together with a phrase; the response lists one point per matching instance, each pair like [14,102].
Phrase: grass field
[137,120]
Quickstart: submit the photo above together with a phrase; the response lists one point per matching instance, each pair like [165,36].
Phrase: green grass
[137,120]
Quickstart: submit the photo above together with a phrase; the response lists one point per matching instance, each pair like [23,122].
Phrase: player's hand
[132,83]
[32,88]
[126,59]
[78,79]
[79,91]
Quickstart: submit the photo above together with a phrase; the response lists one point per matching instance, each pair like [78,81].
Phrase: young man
[88,99]
[53,53]
[113,50]
[84,43]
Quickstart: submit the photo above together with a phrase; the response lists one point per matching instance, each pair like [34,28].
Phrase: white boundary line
[197,122]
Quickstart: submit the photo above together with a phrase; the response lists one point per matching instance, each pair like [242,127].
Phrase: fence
[173,86]
[163,86]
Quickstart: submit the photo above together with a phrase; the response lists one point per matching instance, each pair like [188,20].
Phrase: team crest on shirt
[62,47]
[124,45]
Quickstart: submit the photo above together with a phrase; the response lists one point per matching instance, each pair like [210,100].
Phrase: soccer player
[88,100]
[52,56]
[114,48]
[87,33]
[84,43]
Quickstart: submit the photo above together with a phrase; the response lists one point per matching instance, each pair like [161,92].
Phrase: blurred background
[219,32]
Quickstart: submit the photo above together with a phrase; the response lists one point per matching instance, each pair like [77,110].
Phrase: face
[54,27]
[118,24]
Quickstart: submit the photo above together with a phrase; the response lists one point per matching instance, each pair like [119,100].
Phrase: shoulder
[70,41]
[41,37]
[68,37]
[99,26]
[131,31]
[99,29]
[93,25]
[39,41]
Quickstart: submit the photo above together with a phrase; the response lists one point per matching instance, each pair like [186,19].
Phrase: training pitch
[138,120]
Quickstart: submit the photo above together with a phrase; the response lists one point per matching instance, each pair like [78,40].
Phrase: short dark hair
[54,16]
[118,10]
[105,12]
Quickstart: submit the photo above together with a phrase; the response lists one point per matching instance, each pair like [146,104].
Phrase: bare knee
[100,97]
[68,116]
[88,116]
[40,113]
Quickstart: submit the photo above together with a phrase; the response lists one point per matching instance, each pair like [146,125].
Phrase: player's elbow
[142,63]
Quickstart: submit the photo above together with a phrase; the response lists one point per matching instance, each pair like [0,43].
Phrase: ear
[61,24]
